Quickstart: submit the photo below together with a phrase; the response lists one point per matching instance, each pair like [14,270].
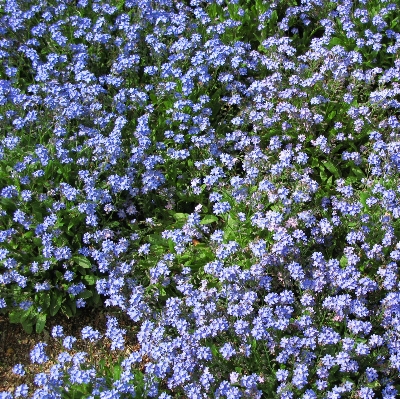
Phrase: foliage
[226,173]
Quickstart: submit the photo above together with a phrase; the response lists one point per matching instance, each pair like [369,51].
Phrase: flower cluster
[226,175]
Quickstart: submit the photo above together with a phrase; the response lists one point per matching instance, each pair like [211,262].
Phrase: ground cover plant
[225,174]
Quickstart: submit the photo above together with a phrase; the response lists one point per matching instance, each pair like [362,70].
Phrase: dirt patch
[16,344]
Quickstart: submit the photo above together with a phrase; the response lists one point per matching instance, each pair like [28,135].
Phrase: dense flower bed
[226,173]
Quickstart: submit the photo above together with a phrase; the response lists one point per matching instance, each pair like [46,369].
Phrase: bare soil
[16,344]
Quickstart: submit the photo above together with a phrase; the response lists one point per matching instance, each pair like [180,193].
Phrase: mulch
[16,344]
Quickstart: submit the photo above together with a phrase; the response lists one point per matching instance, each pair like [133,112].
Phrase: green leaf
[44,300]
[214,350]
[331,115]
[27,326]
[55,303]
[26,314]
[335,369]
[180,217]
[90,279]
[96,298]
[120,5]
[335,41]
[363,198]
[8,204]
[59,275]
[82,261]
[40,323]
[156,239]
[37,212]
[322,174]
[274,18]
[208,219]
[69,309]
[85,294]
[28,234]
[332,168]
[158,249]
[101,364]
[15,317]
[358,173]
[315,163]
[37,242]
[116,372]
[232,228]
[373,385]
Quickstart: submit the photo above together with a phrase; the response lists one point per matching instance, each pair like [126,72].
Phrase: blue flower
[221,207]
[227,351]
[68,342]
[366,393]
[371,373]
[144,249]
[19,369]
[57,332]
[9,192]
[80,303]
[21,390]
[38,354]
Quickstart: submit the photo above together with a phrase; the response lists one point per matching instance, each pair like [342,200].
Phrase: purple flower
[282,375]
[227,351]
[38,354]
[221,207]
[309,394]
[80,303]
[68,342]
[18,369]
[328,336]
[300,375]
[217,236]
[366,393]
[371,373]
[144,249]
[57,332]
[115,334]
[21,390]
[90,334]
